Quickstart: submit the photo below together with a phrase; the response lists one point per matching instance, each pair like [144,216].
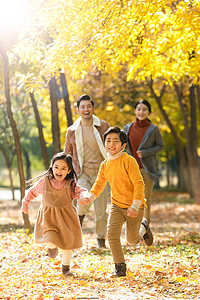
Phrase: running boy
[127,187]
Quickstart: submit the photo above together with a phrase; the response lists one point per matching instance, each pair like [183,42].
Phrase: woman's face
[60,169]
[141,111]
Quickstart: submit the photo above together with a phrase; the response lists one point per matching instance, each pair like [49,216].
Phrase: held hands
[131,212]
[84,201]
[84,198]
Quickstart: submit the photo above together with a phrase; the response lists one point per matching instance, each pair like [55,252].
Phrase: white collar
[112,157]
[77,123]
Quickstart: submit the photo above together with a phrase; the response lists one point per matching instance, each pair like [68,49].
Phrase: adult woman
[144,141]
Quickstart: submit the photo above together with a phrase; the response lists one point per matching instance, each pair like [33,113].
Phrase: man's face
[85,109]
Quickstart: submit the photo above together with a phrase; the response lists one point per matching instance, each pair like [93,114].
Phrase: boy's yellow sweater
[125,180]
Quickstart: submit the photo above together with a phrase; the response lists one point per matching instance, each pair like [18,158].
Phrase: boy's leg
[137,228]
[115,222]
[145,232]
[133,227]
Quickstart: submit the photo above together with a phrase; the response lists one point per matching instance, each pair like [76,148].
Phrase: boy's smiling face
[113,144]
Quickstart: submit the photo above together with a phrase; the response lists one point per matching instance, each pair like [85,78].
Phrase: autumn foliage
[154,38]
[168,270]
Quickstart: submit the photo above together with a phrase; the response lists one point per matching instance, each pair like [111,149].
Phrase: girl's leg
[66,258]
[115,223]
[52,250]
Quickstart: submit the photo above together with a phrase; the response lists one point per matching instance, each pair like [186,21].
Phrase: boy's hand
[84,201]
[131,212]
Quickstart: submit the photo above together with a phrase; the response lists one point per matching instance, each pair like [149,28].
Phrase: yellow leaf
[180,279]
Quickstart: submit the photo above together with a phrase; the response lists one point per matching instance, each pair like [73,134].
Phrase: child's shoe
[120,270]
[81,218]
[52,252]
[101,243]
[65,271]
[148,236]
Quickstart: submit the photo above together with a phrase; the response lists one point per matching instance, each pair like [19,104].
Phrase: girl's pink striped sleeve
[33,192]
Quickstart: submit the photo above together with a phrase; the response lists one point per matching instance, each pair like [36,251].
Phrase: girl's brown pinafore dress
[57,220]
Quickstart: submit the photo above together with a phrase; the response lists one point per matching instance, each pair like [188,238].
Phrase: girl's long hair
[49,173]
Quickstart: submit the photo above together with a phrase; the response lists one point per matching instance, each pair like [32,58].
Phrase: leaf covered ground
[170,269]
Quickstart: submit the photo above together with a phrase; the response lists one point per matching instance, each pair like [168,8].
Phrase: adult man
[84,142]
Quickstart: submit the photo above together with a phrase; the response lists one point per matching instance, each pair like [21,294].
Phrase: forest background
[117,52]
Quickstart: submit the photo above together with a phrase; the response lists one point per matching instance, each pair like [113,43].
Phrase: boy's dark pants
[117,217]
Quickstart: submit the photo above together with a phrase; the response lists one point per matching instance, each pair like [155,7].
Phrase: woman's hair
[145,102]
[122,134]
[84,97]
[49,173]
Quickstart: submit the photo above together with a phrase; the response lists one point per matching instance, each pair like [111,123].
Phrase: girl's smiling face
[113,144]
[60,169]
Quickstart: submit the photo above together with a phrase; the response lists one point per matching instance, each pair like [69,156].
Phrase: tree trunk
[182,185]
[66,99]
[54,115]
[8,165]
[168,169]
[40,132]
[198,98]
[11,183]
[192,145]
[28,165]
[15,133]
[173,131]
[189,115]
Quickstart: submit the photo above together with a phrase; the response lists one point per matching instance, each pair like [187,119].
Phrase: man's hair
[84,97]
[122,134]
[145,102]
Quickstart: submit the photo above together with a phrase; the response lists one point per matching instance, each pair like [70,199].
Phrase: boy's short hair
[122,134]
[84,97]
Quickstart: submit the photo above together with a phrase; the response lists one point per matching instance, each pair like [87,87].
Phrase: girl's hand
[24,208]
[139,153]
[84,201]
[131,212]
